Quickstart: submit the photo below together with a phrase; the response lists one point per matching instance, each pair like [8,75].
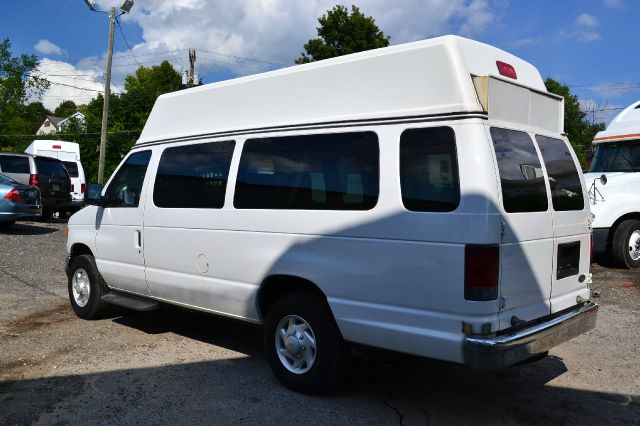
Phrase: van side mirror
[94,195]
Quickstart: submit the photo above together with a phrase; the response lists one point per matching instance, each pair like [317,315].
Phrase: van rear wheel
[625,247]
[304,347]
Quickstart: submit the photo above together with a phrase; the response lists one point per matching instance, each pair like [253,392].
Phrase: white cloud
[583,29]
[275,30]
[225,34]
[614,4]
[529,41]
[587,21]
[47,48]
[69,82]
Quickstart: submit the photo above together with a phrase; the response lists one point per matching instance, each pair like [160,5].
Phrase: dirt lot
[175,367]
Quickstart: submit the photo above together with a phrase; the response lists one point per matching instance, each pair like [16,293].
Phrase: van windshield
[72,168]
[616,157]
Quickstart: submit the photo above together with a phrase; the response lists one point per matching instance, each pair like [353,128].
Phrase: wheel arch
[614,226]
[78,249]
[276,286]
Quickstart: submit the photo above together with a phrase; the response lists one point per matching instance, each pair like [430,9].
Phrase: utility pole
[107,92]
[124,8]
[192,66]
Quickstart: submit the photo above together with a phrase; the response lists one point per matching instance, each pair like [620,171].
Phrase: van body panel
[390,260]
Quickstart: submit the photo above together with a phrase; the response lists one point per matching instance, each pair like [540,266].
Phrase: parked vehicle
[17,202]
[614,194]
[419,198]
[69,154]
[48,174]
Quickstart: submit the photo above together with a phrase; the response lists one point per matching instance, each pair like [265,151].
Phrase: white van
[69,154]
[419,198]
[614,189]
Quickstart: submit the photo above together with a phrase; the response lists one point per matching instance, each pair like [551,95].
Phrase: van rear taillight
[506,70]
[83,188]
[33,179]
[481,272]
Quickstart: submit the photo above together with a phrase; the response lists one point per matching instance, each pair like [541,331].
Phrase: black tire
[620,252]
[331,358]
[95,308]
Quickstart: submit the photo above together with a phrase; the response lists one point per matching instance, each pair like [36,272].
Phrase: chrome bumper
[524,343]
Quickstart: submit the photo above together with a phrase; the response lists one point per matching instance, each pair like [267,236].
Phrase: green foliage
[65,109]
[128,112]
[579,129]
[17,85]
[341,33]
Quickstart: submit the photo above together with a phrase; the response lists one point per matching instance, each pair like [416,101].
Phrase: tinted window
[314,172]
[564,181]
[612,157]
[53,168]
[193,176]
[126,186]
[429,170]
[521,177]
[14,164]
[72,168]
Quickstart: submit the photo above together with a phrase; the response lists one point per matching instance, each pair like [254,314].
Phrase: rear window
[14,164]
[521,176]
[429,170]
[311,172]
[564,180]
[51,168]
[72,168]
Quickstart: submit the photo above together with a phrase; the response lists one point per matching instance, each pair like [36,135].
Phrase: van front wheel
[86,288]
[304,347]
[626,244]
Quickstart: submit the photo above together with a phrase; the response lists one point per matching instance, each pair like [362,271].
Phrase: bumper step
[130,302]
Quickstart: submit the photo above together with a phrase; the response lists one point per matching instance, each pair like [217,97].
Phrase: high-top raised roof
[414,79]
[625,125]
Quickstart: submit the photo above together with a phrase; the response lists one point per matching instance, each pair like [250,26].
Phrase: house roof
[55,120]
[77,115]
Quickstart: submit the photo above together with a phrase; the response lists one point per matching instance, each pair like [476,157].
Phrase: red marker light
[57,147]
[506,70]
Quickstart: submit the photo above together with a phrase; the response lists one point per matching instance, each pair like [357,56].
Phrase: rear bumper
[524,343]
[22,213]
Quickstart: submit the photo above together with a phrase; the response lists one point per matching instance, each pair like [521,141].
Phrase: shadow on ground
[32,228]
[381,388]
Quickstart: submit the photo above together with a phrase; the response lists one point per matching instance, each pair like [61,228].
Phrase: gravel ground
[177,367]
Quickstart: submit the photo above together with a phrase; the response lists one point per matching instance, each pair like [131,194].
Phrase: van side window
[521,176]
[193,176]
[126,186]
[311,172]
[429,170]
[564,181]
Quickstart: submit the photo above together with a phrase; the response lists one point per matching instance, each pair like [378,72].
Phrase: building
[52,124]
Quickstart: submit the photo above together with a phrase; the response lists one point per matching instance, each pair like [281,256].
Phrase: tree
[128,113]
[579,128]
[341,33]
[17,84]
[65,109]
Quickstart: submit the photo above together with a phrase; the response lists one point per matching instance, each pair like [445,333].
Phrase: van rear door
[572,236]
[527,221]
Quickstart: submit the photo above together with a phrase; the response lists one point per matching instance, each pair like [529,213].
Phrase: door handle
[137,239]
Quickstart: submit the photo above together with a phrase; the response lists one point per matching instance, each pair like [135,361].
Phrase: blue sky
[587,44]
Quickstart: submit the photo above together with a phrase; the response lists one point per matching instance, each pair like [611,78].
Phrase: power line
[126,42]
